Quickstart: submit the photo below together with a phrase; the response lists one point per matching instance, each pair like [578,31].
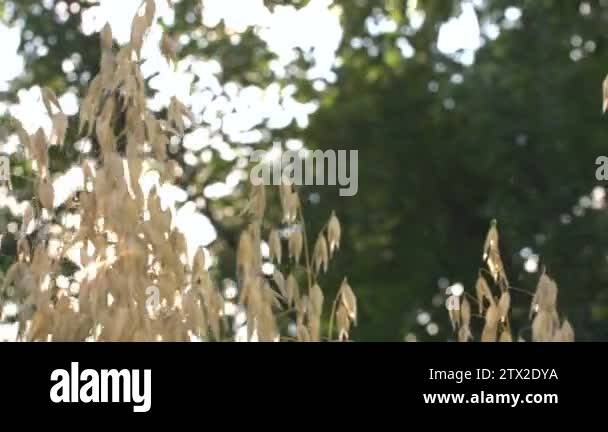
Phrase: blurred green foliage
[443,148]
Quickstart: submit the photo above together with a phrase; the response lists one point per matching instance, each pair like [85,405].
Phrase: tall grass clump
[492,304]
[135,280]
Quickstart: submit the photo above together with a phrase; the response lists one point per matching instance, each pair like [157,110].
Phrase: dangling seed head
[333,233]
[349,300]
[320,256]
[296,242]
[274,244]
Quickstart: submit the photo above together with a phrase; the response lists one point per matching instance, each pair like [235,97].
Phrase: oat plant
[492,303]
[135,281]
[293,288]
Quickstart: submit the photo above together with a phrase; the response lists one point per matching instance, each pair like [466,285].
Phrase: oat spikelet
[50,101]
[289,203]
[106,38]
[464,333]
[279,281]
[567,332]
[138,31]
[245,256]
[24,137]
[491,256]
[150,12]
[333,233]
[343,323]
[88,107]
[483,293]
[292,290]
[491,327]
[176,113]
[315,309]
[349,300]
[274,245]
[46,194]
[60,127]
[542,327]
[168,48]
[295,244]
[465,312]
[545,297]
[491,241]
[28,216]
[504,304]
[40,151]
[257,202]
[320,255]
[198,264]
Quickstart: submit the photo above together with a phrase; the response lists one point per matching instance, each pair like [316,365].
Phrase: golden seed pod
[567,332]
[40,150]
[274,244]
[60,127]
[342,322]
[279,281]
[483,292]
[333,233]
[542,327]
[138,30]
[320,256]
[150,12]
[285,192]
[168,48]
[178,241]
[176,113]
[490,329]
[292,289]
[106,37]
[293,205]
[23,250]
[491,242]
[24,137]
[28,216]
[492,315]
[46,194]
[315,300]
[257,201]
[546,294]
[198,263]
[348,300]
[245,254]
[295,244]
[504,304]
[48,99]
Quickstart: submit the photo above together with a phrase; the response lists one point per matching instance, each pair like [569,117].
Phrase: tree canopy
[448,141]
